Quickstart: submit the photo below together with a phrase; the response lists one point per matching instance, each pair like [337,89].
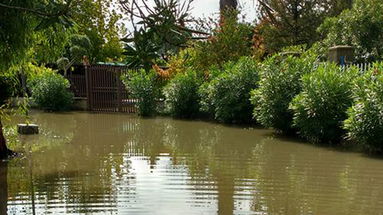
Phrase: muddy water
[120,164]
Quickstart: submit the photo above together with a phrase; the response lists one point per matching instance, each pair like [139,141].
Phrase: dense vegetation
[320,108]
[229,92]
[365,117]
[5,86]
[51,92]
[181,97]
[144,88]
[280,83]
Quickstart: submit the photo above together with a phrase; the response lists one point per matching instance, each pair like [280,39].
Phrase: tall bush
[320,109]
[181,97]
[51,92]
[280,83]
[228,94]
[143,86]
[365,117]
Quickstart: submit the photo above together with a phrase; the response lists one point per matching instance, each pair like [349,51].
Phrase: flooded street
[84,163]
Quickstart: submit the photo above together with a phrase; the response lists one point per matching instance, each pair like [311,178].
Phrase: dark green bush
[228,94]
[365,117]
[5,89]
[51,92]
[280,83]
[205,91]
[144,88]
[205,94]
[181,97]
[320,109]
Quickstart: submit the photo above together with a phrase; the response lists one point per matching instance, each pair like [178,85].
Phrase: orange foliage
[162,74]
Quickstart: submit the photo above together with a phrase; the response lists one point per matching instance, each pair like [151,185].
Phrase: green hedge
[51,92]
[320,109]
[227,96]
[280,83]
[181,97]
[365,117]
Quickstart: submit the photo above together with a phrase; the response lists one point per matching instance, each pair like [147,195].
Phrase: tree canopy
[22,20]
[360,27]
[285,23]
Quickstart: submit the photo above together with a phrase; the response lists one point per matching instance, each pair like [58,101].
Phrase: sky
[206,8]
[210,8]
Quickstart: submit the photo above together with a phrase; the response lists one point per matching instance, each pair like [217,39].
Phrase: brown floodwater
[84,163]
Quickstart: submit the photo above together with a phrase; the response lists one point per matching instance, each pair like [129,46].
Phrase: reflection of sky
[161,188]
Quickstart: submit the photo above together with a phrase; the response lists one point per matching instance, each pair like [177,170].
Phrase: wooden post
[341,55]
[85,62]
[119,97]
[88,94]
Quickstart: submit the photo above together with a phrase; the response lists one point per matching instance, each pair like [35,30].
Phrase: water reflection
[3,187]
[119,164]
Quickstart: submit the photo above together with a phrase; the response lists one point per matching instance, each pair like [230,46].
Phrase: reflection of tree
[217,153]
[82,169]
[3,187]
[232,167]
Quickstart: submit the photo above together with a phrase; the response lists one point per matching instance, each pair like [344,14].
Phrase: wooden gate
[105,90]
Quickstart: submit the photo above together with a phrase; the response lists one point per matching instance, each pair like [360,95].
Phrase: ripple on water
[120,164]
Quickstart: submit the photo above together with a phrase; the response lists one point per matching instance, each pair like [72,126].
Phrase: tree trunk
[4,151]
[226,8]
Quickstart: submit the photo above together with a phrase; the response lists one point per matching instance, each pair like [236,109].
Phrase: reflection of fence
[102,87]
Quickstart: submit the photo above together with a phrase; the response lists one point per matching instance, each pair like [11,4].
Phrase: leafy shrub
[51,92]
[182,99]
[320,109]
[144,88]
[205,91]
[5,89]
[365,117]
[228,94]
[280,83]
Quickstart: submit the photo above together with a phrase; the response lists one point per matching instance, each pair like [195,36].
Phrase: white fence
[362,66]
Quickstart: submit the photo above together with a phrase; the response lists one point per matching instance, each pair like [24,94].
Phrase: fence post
[119,98]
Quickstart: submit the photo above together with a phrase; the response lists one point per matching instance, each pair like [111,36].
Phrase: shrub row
[280,83]
[320,102]
[365,117]
[320,108]
[227,96]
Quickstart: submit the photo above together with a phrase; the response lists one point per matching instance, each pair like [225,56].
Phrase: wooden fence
[103,89]
[77,81]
